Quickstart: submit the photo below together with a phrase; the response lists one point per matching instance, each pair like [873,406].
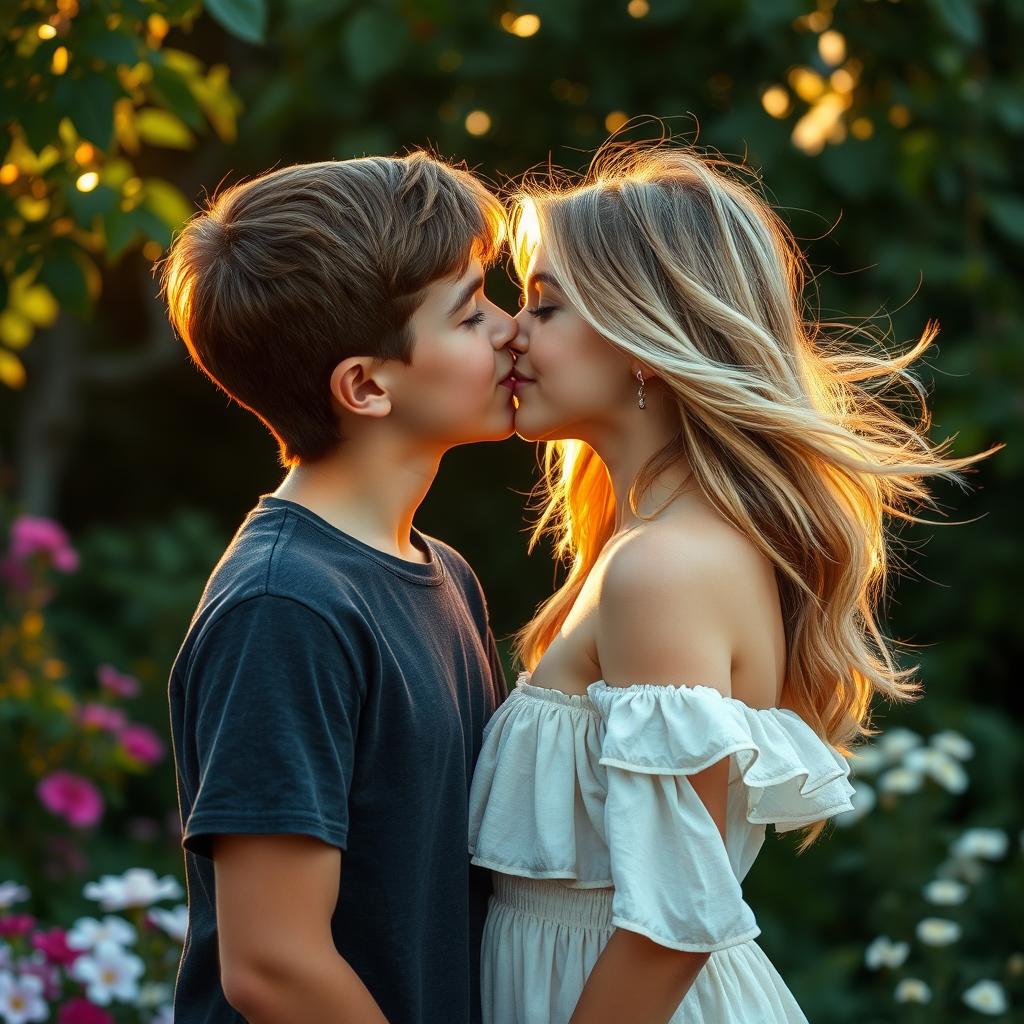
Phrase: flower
[11,893]
[21,998]
[867,759]
[895,743]
[49,974]
[173,922]
[116,682]
[951,742]
[103,716]
[16,924]
[141,743]
[54,944]
[986,997]
[81,1011]
[165,1015]
[912,990]
[152,995]
[71,796]
[137,887]
[87,932]
[109,972]
[937,931]
[31,535]
[986,843]
[945,892]
[883,952]
[900,780]
[863,800]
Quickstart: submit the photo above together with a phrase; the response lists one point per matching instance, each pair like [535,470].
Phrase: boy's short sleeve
[274,701]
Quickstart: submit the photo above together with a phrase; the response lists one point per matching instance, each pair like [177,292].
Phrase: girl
[717,473]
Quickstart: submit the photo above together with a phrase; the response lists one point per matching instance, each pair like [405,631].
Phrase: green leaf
[121,229]
[85,207]
[162,128]
[961,17]
[89,102]
[171,88]
[100,43]
[1006,214]
[63,273]
[39,121]
[374,43]
[246,19]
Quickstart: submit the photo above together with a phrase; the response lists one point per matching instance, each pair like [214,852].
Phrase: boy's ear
[357,385]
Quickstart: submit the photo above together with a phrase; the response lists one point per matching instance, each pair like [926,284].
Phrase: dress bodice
[592,789]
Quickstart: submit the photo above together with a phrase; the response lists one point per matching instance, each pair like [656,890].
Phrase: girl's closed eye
[541,312]
[476,318]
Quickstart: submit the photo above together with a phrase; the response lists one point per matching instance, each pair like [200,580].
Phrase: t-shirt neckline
[417,572]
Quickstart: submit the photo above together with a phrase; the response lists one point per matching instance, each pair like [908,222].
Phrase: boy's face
[452,391]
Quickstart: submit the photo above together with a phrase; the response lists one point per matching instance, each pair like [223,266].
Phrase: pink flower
[103,716]
[140,742]
[71,796]
[16,924]
[47,973]
[81,1011]
[54,944]
[31,535]
[117,682]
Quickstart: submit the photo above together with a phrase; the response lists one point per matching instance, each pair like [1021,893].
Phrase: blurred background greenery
[885,132]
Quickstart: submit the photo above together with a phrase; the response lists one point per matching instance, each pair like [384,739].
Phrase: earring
[641,402]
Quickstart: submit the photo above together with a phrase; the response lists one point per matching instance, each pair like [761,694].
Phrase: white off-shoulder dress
[581,806]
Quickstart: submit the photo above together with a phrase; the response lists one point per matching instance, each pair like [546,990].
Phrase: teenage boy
[328,701]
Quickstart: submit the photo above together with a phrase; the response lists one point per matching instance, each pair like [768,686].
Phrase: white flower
[165,1015]
[986,997]
[945,892]
[137,887]
[896,742]
[951,742]
[867,760]
[863,800]
[913,990]
[21,998]
[109,972]
[966,868]
[949,774]
[87,932]
[174,922]
[900,780]
[883,952]
[986,843]
[11,893]
[152,995]
[937,931]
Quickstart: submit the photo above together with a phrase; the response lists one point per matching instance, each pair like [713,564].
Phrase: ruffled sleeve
[674,880]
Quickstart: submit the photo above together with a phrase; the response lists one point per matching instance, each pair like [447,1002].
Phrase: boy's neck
[370,492]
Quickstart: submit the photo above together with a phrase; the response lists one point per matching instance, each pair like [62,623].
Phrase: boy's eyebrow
[466,294]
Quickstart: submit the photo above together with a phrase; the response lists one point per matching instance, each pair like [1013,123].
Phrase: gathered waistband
[552,899]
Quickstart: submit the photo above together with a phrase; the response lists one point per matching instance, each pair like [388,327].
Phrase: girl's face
[570,381]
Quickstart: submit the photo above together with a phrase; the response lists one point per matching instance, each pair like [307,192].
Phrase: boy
[328,701]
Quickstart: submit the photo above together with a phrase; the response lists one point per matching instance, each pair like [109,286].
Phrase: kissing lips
[514,382]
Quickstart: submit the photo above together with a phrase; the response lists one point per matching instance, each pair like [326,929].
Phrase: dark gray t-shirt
[330,689]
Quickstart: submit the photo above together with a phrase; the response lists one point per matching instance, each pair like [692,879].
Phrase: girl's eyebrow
[466,294]
[542,278]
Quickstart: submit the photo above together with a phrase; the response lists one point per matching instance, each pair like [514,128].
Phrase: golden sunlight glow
[775,101]
[522,25]
[158,25]
[638,8]
[47,31]
[478,122]
[85,152]
[525,233]
[87,182]
[832,47]
[807,84]
[615,120]
[8,174]
[821,124]
[841,80]
[818,21]
[59,64]
[862,128]
[152,250]
[899,116]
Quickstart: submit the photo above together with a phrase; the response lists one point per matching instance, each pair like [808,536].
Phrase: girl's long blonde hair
[670,256]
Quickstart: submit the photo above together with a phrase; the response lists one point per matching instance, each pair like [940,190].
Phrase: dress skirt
[542,938]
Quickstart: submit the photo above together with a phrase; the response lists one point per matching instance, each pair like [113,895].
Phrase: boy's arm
[278,961]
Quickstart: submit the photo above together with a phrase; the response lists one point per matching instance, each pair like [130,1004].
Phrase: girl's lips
[514,383]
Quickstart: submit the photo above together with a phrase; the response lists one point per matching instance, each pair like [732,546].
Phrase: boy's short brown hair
[283,276]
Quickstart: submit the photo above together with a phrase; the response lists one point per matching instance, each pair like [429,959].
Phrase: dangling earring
[641,402]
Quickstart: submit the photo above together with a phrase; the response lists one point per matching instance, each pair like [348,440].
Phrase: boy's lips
[515,381]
